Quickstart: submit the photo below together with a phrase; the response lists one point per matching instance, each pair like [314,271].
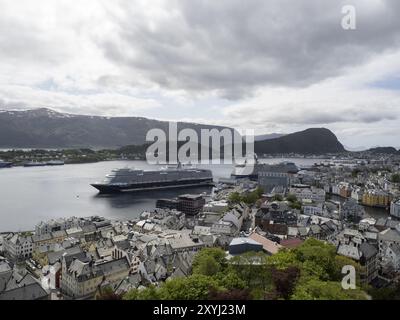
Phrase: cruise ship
[130,180]
[5,164]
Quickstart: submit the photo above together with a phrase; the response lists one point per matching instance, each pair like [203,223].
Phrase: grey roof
[368,250]
[85,270]
[53,257]
[349,251]
[396,249]
[89,229]
[29,292]
[389,235]
[58,234]
[42,237]
[240,241]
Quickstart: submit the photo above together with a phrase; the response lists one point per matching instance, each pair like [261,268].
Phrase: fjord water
[29,195]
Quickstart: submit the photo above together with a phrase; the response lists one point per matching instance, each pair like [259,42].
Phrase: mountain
[45,128]
[310,141]
[383,150]
[269,136]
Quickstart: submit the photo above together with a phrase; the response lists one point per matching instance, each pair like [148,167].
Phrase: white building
[395,209]
[18,246]
[315,194]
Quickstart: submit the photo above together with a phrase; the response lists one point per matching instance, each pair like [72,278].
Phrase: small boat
[5,164]
[55,163]
[35,164]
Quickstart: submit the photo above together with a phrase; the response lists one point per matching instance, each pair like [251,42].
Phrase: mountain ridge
[46,128]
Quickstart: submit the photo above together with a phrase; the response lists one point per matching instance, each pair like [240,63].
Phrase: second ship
[130,180]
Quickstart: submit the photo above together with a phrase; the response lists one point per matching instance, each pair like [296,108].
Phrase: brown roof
[268,245]
[291,243]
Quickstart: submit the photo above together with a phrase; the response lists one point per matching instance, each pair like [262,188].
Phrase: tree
[235,294]
[277,197]
[291,197]
[318,258]
[230,280]
[107,294]
[209,261]
[149,293]
[235,197]
[285,281]
[206,265]
[194,287]
[314,289]
[284,259]
[395,178]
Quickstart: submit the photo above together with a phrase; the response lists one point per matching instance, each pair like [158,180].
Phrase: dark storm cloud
[232,47]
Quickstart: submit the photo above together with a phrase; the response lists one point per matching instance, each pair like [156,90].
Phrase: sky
[275,66]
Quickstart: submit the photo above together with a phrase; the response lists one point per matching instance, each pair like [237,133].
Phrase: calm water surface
[29,195]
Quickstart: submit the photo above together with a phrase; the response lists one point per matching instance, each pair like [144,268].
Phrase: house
[33,291]
[365,254]
[316,195]
[19,284]
[242,245]
[291,243]
[269,247]
[391,257]
[387,238]
[82,276]
[18,246]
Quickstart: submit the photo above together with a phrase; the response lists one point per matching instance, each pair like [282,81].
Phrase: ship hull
[5,165]
[109,188]
[35,165]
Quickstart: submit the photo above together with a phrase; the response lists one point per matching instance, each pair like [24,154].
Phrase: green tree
[206,265]
[149,293]
[209,261]
[235,198]
[194,287]
[395,178]
[230,280]
[284,259]
[314,289]
[318,258]
[291,197]
[277,197]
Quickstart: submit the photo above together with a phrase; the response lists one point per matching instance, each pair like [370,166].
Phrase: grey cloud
[232,47]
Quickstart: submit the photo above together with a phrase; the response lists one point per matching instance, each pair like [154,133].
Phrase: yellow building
[376,198]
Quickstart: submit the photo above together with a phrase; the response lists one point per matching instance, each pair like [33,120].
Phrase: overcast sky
[270,65]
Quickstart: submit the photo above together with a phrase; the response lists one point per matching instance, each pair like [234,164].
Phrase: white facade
[395,209]
[314,194]
[17,246]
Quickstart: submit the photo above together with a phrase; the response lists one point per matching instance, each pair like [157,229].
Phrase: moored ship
[5,164]
[130,180]
[35,164]
[55,163]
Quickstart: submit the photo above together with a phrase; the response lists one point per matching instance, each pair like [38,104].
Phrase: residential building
[18,246]
[191,204]
[395,208]
[81,276]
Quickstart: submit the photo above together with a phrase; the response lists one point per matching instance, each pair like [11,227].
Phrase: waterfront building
[191,204]
[308,193]
[376,198]
[395,208]
[81,276]
[18,246]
